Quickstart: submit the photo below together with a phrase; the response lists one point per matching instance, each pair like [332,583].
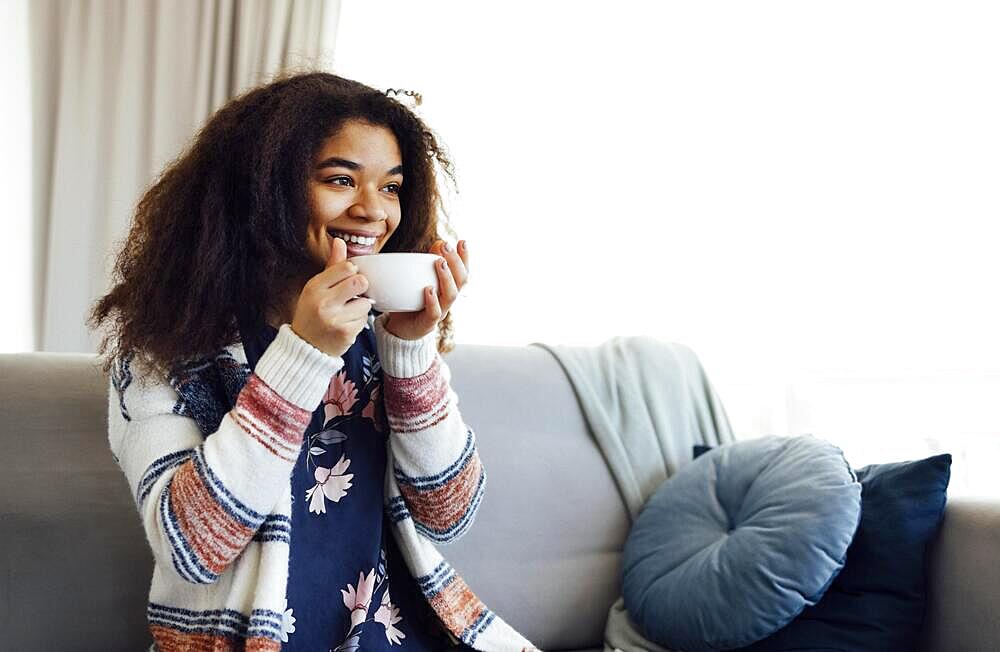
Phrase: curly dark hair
[219,238]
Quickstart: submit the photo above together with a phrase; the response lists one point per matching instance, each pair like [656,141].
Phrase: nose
[368,207]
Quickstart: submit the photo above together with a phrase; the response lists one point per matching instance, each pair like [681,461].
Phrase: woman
[294,453]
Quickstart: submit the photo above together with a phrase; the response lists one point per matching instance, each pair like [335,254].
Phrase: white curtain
[119,89]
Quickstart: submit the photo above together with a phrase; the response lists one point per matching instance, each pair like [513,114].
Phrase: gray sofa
[544,551]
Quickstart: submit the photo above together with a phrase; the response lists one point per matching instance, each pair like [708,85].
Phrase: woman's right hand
[326,315]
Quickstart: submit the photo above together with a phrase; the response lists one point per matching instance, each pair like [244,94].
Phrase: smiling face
[354,188]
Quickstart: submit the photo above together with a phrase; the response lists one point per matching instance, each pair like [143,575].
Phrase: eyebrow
[335,161]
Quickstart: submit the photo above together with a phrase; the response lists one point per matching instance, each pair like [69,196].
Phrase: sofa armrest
[963,610]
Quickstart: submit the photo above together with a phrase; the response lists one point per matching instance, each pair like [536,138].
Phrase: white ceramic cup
[396,281]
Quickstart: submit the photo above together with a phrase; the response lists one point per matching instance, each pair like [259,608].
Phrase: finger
[457,265]
[359,323]
[360,307]
[356,321]
[347,288]
[347,311]
[338,267]
[338,252]
[447,288]
[463,251]
[432,307]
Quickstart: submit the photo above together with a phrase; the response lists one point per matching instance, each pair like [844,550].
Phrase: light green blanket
[648,403]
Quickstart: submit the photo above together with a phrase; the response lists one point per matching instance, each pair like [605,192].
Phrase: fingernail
[447,247]
[463,245]
[443,265]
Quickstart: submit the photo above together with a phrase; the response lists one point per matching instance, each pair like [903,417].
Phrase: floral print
[287,623]
[340,396]
[369,412]
[357,600]
[388,615]
[331,483]
[340,532]
[339,405]
[352,411]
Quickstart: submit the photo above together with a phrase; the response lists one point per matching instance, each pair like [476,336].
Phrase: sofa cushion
[878,601]
[739,541]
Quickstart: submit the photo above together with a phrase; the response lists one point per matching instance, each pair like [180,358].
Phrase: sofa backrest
[76,565]
[545,550]
[543,553]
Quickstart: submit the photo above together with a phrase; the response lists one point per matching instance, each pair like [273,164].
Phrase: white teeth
[355,239]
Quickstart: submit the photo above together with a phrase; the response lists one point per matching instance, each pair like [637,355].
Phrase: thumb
[338,253]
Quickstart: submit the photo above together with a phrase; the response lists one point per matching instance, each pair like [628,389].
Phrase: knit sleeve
[437,467]
[202,499]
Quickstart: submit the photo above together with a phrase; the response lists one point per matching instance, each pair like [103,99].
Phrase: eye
[392,188]
[340,181]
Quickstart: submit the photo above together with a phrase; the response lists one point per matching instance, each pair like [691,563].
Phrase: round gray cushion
[739,541]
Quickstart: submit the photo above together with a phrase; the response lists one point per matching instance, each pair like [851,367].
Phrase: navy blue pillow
[877,601]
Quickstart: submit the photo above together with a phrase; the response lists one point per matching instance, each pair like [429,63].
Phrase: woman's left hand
[453,274]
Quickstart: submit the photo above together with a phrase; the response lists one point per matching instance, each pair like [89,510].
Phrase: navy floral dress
[348,586]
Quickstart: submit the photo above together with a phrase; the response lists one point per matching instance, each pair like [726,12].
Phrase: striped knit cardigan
[216,509]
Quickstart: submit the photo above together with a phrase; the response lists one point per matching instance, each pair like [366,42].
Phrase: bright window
[805,193]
